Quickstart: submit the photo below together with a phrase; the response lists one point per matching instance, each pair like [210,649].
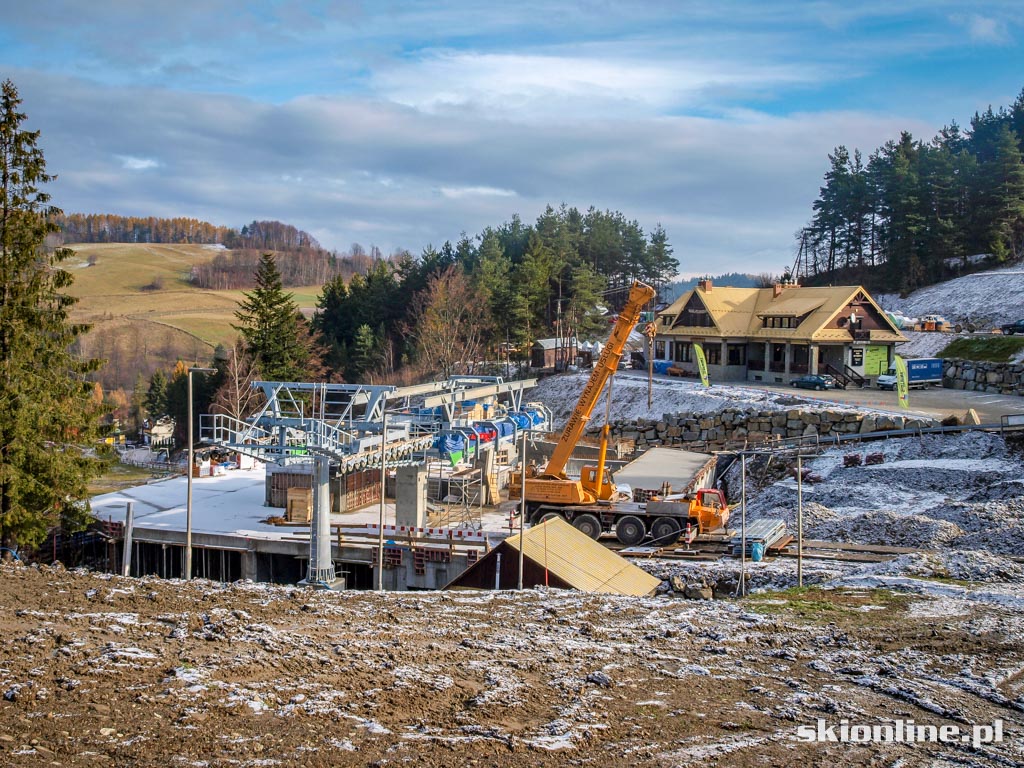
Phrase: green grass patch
[861,606]
[993,349]
[118,477]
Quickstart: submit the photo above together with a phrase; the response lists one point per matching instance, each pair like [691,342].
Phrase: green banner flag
[702,364]
[901,382]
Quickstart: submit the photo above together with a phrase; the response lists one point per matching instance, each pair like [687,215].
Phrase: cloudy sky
[402,124]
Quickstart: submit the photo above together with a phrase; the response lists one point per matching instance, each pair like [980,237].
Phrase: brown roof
[738,312]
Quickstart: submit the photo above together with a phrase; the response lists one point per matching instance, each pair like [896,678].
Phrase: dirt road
[101,670]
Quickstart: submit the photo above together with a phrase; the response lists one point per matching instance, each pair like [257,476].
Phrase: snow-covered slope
[986,299]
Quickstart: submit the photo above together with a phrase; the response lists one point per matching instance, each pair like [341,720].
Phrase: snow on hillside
[926,343]
[986,299]
[669,396]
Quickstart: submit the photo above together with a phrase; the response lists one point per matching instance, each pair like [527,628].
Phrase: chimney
[777,290]
[705,284]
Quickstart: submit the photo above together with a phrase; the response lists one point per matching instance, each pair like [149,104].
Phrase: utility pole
[522,505]
[191,462]
[383,481]
[799,521]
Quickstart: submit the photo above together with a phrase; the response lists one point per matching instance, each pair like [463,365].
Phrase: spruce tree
[156,395]
[272,329]
[46,412]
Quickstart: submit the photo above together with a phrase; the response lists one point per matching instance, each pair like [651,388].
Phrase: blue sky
[403,124]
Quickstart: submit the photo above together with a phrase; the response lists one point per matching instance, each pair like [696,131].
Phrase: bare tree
[447,323]
[765,280]
[236,397]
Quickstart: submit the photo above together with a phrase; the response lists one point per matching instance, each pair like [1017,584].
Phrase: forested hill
[110,228]
[734,279]
[915,212]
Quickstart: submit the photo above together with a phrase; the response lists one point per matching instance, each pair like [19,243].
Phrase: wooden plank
[841,545]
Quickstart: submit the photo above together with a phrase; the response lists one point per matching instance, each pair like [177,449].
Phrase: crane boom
[606,365]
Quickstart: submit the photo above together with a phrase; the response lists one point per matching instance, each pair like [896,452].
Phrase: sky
[405,124]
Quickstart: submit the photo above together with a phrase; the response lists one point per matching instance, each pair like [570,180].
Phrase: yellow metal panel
[582,562]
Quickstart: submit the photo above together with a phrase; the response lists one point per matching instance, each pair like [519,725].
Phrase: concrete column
[724,353]
[249,565]
[321,566]
[812,359]
[789,356]
[767,358]
[411,496]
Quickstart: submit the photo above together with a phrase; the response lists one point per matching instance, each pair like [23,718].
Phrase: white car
[886,380]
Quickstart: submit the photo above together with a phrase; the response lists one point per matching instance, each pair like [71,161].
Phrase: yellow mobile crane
[590,502]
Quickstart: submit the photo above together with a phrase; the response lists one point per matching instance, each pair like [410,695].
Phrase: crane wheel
[630,530]
[587,524]
[665,531]
[543,517]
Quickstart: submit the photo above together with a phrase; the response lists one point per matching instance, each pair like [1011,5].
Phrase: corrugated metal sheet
[660,465]
[582,562]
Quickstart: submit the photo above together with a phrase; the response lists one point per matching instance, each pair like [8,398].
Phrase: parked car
[812,381]
[1011,328]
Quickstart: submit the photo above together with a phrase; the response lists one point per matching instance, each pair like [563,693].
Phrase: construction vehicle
[592,503]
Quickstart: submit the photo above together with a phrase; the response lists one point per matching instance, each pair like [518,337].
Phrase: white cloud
[983,29]
[132,163]
[641,80]
[457,193]
[731,191]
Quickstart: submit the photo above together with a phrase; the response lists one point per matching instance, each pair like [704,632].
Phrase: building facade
[776,334]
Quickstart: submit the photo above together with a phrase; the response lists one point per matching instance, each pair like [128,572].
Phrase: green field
[145,313]
[994,349]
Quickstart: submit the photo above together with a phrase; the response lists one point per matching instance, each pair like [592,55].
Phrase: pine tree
[137,412]
[46,412]
[269,322]
[156,395]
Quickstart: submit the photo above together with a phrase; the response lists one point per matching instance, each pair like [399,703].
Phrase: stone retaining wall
[978,376]
[755,426]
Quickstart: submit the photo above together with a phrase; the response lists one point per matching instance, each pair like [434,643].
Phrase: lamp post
[191,459]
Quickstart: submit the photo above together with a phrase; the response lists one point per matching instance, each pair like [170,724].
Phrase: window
[697,318]
[667,319]
[737,354]
[682,352]
[659,350]
[779,322]
[713,354]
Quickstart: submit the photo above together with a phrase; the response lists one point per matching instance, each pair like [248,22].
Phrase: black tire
[543,516]
[587,524]
[665,531]
[818,388]
[630,530]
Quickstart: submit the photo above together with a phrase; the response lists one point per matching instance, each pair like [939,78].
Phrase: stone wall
[755,426]
[978,376]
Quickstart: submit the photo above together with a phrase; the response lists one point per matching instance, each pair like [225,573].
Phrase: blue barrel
[757,551]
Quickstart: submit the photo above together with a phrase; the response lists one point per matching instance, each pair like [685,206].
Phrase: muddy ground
[100,670]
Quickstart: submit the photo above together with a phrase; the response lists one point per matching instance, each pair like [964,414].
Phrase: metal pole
[188,497]
[383,476]
[522,505]
[129,524]
[799,521]
[743,525]
[191,459]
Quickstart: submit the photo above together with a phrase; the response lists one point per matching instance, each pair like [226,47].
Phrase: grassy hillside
[143,311]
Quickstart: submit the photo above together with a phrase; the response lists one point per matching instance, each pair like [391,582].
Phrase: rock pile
[756,425]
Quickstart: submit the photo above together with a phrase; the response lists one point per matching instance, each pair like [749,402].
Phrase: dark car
[1011,328]
[811,381]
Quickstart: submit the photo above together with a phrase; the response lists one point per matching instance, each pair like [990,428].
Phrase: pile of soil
[102,670]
